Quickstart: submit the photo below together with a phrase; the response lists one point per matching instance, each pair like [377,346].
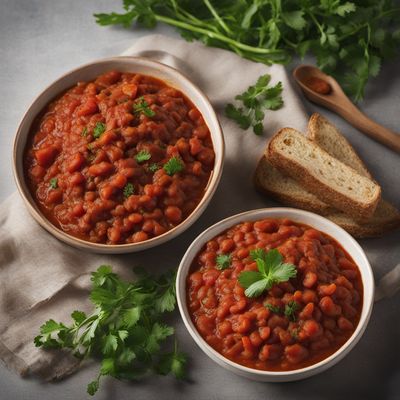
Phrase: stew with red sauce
[325,297]
[121,159]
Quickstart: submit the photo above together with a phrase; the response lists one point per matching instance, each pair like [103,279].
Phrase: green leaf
[274,309]
[172,363]
[50,326]
[123,334]
[273,258]
[128,190]
[223,261]
[99,129]
[295,19]
[142,156]
[99,277]
[345,8]
[153,167]
[159,332]
[256,289]
[237,115]
[93,387]
[167,301]
[110,344]
[78,317]
[131,316]
[247,278]
[173,166]
[53,183]
[290,310]
[126,357]
[107,366]
[142,107]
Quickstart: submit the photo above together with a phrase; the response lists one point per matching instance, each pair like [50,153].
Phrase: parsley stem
[215,35]
[217,17]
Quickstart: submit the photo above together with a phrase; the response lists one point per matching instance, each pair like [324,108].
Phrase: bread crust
[315,124]
[324,192]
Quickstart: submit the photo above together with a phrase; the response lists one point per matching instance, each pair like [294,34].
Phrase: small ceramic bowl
[313,220]
[89,72]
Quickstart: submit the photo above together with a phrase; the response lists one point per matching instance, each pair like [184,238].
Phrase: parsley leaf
[290,310]
[274,309]
[173,166]
[142,156]
[53,183]
[128,190]
[153,167]
[126,329]
[255,100]
[223,261]
[99,129]
[271,270]
[84,131]
[142,107]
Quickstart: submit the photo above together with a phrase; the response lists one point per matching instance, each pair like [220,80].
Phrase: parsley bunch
[349,39]
[271,270]
[125,331]
[255,100]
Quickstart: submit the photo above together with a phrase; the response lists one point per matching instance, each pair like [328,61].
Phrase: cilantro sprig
[290,310]
[53,183]
[348,39]
[271,270]
[128,190]
[142,107]
[255,100]
[125,332]
[173,166]
[142,156]
[223,261]
[99,129]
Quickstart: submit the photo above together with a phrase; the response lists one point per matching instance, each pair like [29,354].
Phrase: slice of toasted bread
[329,138]
[270,181]
[331,180]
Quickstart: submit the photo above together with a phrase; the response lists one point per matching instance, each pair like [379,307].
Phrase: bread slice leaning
[331,180]
[329,138]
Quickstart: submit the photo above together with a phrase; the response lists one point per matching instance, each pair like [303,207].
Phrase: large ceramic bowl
[89,72]
[313,220]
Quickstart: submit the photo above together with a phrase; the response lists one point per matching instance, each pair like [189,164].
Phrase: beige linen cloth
[42,278]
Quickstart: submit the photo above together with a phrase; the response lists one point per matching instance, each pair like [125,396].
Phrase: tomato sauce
[256,332]
[121,159]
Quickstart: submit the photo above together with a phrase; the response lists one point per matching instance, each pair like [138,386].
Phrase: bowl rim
[253,215]
[209,191]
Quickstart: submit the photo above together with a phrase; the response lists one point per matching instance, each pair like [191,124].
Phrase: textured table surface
[40,40]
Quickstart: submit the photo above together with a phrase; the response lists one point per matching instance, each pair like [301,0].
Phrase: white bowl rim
[210,189]
[253,215]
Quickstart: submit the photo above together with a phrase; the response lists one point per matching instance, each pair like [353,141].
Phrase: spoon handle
[374,130]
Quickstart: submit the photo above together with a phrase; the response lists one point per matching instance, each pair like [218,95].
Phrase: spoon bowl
[337,101]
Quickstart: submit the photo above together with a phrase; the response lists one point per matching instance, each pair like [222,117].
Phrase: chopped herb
[255,100]
[223,261]
[99,129]
[142,107]
[54,183]
[274,309]
[295,333]
[271,270]
[173,165]
[154,167]
[84,131]
[142,156]
[126,330]
[90,146]
[128,190]
[290,310]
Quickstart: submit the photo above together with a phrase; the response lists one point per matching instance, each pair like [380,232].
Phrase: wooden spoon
[337,101]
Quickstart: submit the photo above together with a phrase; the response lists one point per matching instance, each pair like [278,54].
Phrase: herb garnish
[125,331]
[84,131]
[173,165]
[99,129]
[271,270]
[142,107]
[128,190]
[142,156]
[274,309]
[256,99]
[348,39]
[223,261]
[290,310]
[154,167]
[53,183]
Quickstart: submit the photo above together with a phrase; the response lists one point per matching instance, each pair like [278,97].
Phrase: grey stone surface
[40,40]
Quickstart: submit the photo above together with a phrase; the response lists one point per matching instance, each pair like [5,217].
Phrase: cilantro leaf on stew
[223,261]
[128,190]
[271,271]
[254,102]
[274,309]
[154,167]
[142,107]
[290,310]
[99,129]
[53,183]
[142,156]
[173,166]
[125,331]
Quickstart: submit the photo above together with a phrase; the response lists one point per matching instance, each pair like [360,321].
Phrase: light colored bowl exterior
[316,221]
[89,72]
